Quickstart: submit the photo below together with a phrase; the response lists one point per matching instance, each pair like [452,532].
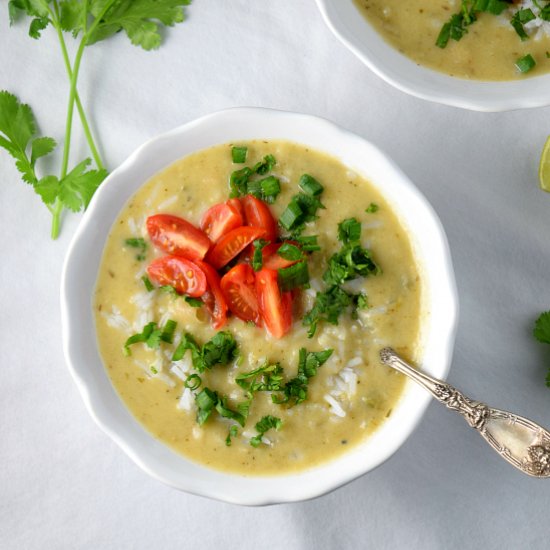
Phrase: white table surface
[64,484]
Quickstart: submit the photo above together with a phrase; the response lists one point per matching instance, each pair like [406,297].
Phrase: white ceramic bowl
[82,263]
[344,19]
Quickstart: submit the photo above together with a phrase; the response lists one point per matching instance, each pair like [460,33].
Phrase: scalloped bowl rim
[354,31]
[78,283]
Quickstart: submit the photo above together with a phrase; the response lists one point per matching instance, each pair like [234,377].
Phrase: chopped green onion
[193,302]
[148,284]
[291,215]
[293,276]
[193,382]
[290,252]
[265,166]
[308,243]
[526,63]
[239,154]
[257,257]
[520,18]
[372,208]
[270,188]
[310,185]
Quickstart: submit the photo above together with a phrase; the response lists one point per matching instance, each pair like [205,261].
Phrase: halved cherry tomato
[220,219]
[275,306]
[257,214]
[213,298]
[236,204]
[238,287]
[183,274]
[231,244]
[271,260]
[177,236]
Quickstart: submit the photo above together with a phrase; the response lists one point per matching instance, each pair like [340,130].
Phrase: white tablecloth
[64,484]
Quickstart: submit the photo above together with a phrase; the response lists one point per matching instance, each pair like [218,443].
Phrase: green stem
[82,114]
[58,207]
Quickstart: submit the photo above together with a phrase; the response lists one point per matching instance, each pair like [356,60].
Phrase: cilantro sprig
[541,332]
[90,21]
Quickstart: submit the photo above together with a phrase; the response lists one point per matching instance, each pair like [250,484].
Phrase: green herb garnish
[220,350]
[295,390]
[193,302]
[541,332]
[372,208]
[257,256]
[90,22]
[309,185]
[290,252]
[151,336]
[233,432]
[520,18]
[167,334]
[525,64]
[148,284]
[193,382]
[265,424]
[294,276]
[266,189]
[268,377]
[239,154]
[308,243]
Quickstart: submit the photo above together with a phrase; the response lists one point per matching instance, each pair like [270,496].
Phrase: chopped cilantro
[265,378]
[295,390]
[151,336]
[138,243]
[372,208]
[233,432]
[542,328]
[220,350]
[265,424]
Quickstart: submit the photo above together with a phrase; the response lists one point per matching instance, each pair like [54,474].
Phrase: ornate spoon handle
[520,441]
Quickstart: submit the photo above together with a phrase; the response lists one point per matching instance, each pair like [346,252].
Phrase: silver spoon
[520,441]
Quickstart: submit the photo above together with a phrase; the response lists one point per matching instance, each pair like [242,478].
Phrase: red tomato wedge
[177,236]
[271,260]
[232,244]
[275,306]
[257,214]
[238,287]
[220,219]
[236,204]
[213,298]
[184,275]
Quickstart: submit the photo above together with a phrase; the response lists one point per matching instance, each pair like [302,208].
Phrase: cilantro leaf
[265,424]
[140,19]
[296,388]
[17,130]
[78,186]
[220,350]
[542,328]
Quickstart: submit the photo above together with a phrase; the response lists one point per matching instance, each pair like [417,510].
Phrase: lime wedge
[544,167]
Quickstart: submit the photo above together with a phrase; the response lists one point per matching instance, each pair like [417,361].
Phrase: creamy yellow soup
[489,50]
[352,393]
